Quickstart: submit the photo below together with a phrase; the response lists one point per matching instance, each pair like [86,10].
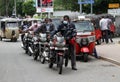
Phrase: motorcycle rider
[24,28]
[34,27]
[63,28]
[46,26]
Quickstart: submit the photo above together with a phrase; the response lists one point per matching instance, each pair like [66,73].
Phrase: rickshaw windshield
[12,24]
[84,26]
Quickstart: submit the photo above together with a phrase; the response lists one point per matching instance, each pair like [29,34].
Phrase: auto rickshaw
[85,39]
[9,29]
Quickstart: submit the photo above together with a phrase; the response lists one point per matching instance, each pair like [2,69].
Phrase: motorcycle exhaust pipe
[30,49]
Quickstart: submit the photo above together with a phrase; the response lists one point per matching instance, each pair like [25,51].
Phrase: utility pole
[91,7]
[80,7]
[14,10]
[41,7]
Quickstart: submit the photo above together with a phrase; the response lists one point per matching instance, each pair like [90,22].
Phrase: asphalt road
[16,66]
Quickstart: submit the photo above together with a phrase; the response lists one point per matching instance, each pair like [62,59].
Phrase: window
[84,26]
[12,24]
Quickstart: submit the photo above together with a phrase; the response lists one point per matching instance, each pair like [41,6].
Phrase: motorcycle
[36,46]
[28,43]
[42,48]
[57,52]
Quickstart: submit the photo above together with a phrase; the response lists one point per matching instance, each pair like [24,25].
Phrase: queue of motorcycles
[41,47]
[54,50]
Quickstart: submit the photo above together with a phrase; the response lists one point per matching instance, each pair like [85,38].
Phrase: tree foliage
[19,8]
[6,7]
[100,6]
[28,8]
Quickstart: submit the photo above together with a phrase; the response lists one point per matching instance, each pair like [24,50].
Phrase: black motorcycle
[57,52]
[42,48]
[28,43]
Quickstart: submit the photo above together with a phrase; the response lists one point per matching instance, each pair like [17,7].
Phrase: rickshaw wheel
[85,57]
[14,39]
[99,42]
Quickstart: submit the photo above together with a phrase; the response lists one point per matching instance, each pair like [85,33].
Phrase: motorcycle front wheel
[42,58]
[60,64]
[50,65]
[29,53]
[35,56]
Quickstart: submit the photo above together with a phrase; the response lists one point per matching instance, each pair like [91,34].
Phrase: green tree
[6,7]
[28,8]
[19,8]
[100,6]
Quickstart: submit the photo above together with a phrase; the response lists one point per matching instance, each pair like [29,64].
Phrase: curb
[109,60]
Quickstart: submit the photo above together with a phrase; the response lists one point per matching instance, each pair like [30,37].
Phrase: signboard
[114,11]
[39,10]
[114,5]
[44,6]
[85,1]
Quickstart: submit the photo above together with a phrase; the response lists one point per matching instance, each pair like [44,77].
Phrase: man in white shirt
[104,28]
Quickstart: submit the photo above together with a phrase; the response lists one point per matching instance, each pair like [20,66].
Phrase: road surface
[16,66]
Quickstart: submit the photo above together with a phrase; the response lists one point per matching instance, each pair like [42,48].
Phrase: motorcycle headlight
[84,41]
[60,41]
[91,38]
[43,35]
[35,38]
[43,39]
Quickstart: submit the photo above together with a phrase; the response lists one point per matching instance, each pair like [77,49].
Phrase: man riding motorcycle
[29,38]
[34,27]
[67,29]
[24,27]
[46,27]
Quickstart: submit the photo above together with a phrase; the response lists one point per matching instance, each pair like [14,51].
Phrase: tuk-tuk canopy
[31,19]
[10,20]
